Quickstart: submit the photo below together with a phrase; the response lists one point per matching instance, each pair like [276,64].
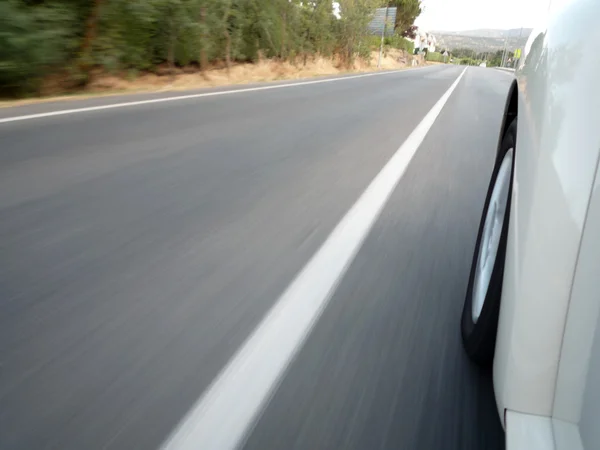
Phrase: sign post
[382,38]
[378,25]
[517,57]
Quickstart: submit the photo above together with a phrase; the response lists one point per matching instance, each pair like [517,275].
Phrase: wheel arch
[511,110]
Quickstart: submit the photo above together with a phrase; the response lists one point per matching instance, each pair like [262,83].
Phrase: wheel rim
[490,237]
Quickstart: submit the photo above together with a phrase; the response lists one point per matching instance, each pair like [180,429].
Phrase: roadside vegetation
[67,46]
[436,57]
[470,57]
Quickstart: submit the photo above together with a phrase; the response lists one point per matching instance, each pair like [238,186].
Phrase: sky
[461,15]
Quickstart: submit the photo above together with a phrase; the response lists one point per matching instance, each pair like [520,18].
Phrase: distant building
[336,10]
[424,41]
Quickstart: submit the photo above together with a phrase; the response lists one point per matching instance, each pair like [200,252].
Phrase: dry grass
[262,71]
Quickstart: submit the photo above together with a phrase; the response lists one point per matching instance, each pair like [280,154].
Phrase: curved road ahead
[140,246]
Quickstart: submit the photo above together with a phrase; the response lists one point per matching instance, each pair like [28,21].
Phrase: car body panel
[527,432]
[577,398]
[558,144]
[566,436]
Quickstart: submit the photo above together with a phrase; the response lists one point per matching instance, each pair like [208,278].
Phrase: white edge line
[229,408]
[63,112]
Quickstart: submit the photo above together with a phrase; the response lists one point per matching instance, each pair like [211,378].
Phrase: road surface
[140,246]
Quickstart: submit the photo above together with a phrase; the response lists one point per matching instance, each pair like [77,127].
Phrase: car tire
[479,321]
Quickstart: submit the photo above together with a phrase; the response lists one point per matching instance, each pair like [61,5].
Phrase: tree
[410,32]
[495,59]
[90,33]
[406,14]
[355,17]
[34,40]
[72,40]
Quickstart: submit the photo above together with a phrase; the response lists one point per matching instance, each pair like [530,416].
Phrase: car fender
[558,144]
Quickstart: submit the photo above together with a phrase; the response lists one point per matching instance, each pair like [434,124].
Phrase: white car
[533,297]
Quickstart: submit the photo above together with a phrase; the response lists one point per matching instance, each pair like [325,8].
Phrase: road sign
[379,21]
[517,53]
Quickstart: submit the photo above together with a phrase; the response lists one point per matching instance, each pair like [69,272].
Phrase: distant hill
[483,40]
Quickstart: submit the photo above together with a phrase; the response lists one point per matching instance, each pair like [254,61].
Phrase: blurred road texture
[140,246]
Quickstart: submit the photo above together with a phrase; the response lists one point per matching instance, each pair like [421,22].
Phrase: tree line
[469,56]
[72,38]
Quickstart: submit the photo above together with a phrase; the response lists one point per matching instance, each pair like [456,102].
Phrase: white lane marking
[230,406]
[185,97]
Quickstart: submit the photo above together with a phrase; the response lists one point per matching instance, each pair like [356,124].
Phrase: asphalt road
[140,246]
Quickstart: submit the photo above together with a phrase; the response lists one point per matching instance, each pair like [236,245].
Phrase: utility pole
[382,37]
[504,51]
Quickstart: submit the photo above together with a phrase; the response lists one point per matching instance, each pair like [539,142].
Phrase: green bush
[394,41]
[466,61]
[34,40]
[469,62]
[435,57]
[374,41]
[398,42]
[403,44]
